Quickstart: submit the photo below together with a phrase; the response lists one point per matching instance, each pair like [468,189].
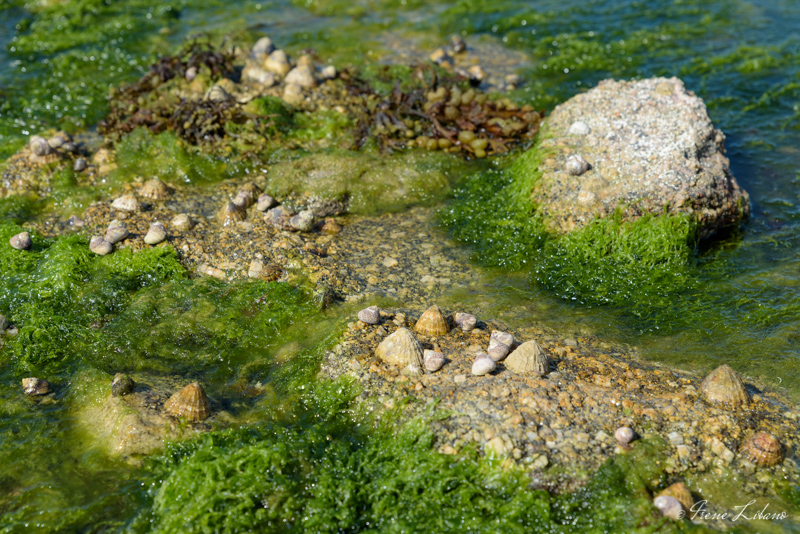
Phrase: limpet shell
[191,402]
[127,203]
[763,449]
[400,348]
[155,189]
[723,386]
[230,214]
[529,358]
[432,322]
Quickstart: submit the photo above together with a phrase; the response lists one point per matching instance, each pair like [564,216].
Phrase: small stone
[278,62]
[433,360]
[21,241]
[476,73]
[719,448]
[466,321]
[540,461]
[681,492]
[330,226]
[624,435]
[182,222]
[390,262]
[116,232]
[207,270]
[3,323]
[100,246]
[156,234]
[80,165]
[122,385]
[266,202]
[75,221]
[255,74]
[371,315]
[293,94]
[576,165]
[483,364]
[190,74]
[579,128]
[496,446]
[263,47]
[460,379]
[303,221]
[458,44]
[675,438]
[303,76]
[35,386]
[328,73]
[669,507]
[217,93]
[439,56]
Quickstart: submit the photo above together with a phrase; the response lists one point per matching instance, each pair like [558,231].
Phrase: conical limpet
[127,203]
[529,358]
[400,348]
[35,386]
[763,449]
[723,386]
[155,189]
[432,322]
[21,241]
[100,246]
[156,234]
[191,402]
[230,214]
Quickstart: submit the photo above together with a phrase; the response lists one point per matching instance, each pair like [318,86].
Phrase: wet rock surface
[563,425]
[649,146]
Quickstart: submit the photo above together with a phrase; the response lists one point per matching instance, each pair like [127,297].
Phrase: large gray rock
[649,145]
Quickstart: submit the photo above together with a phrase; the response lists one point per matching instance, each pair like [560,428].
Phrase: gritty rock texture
[650,145]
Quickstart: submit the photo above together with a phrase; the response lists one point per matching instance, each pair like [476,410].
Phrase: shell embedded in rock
[127,203]
[400,348]
[21,241]
[763,449]
[371,315]
[434,360]
[156,234]
[39,145]
[529,358]
[230,214]
[266,202]
[432,322]
[576,165]
[669,507]
[303,221]
[497,351]
[191,402]
[35,386]
[466,321]
[681,492]
[624,435]
[483,364]
[182,222]
[155,189]
[116,233]
[723,386]
[122,385]
[100,246]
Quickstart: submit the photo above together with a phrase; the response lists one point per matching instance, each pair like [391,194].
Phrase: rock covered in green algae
[644,146]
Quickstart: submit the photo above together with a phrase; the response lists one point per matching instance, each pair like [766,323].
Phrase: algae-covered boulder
[650,147]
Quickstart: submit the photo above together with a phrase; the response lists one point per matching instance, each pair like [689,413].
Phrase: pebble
[433,360]
[263,47]
[182,222]
[191,74]
[328,73]
[293,94]
[35,386]
[466,321]
[389,262]
[579,128]
[3,323]
[278,63]
[21,241]
[100,246]
[75,221]
[156,234]
[476,73]
[303,221]
[330,226]
[576,165]
[266,202]
[669,507]
[370,315]
[258,75]
[483,364]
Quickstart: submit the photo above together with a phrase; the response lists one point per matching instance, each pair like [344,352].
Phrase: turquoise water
[742,58]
